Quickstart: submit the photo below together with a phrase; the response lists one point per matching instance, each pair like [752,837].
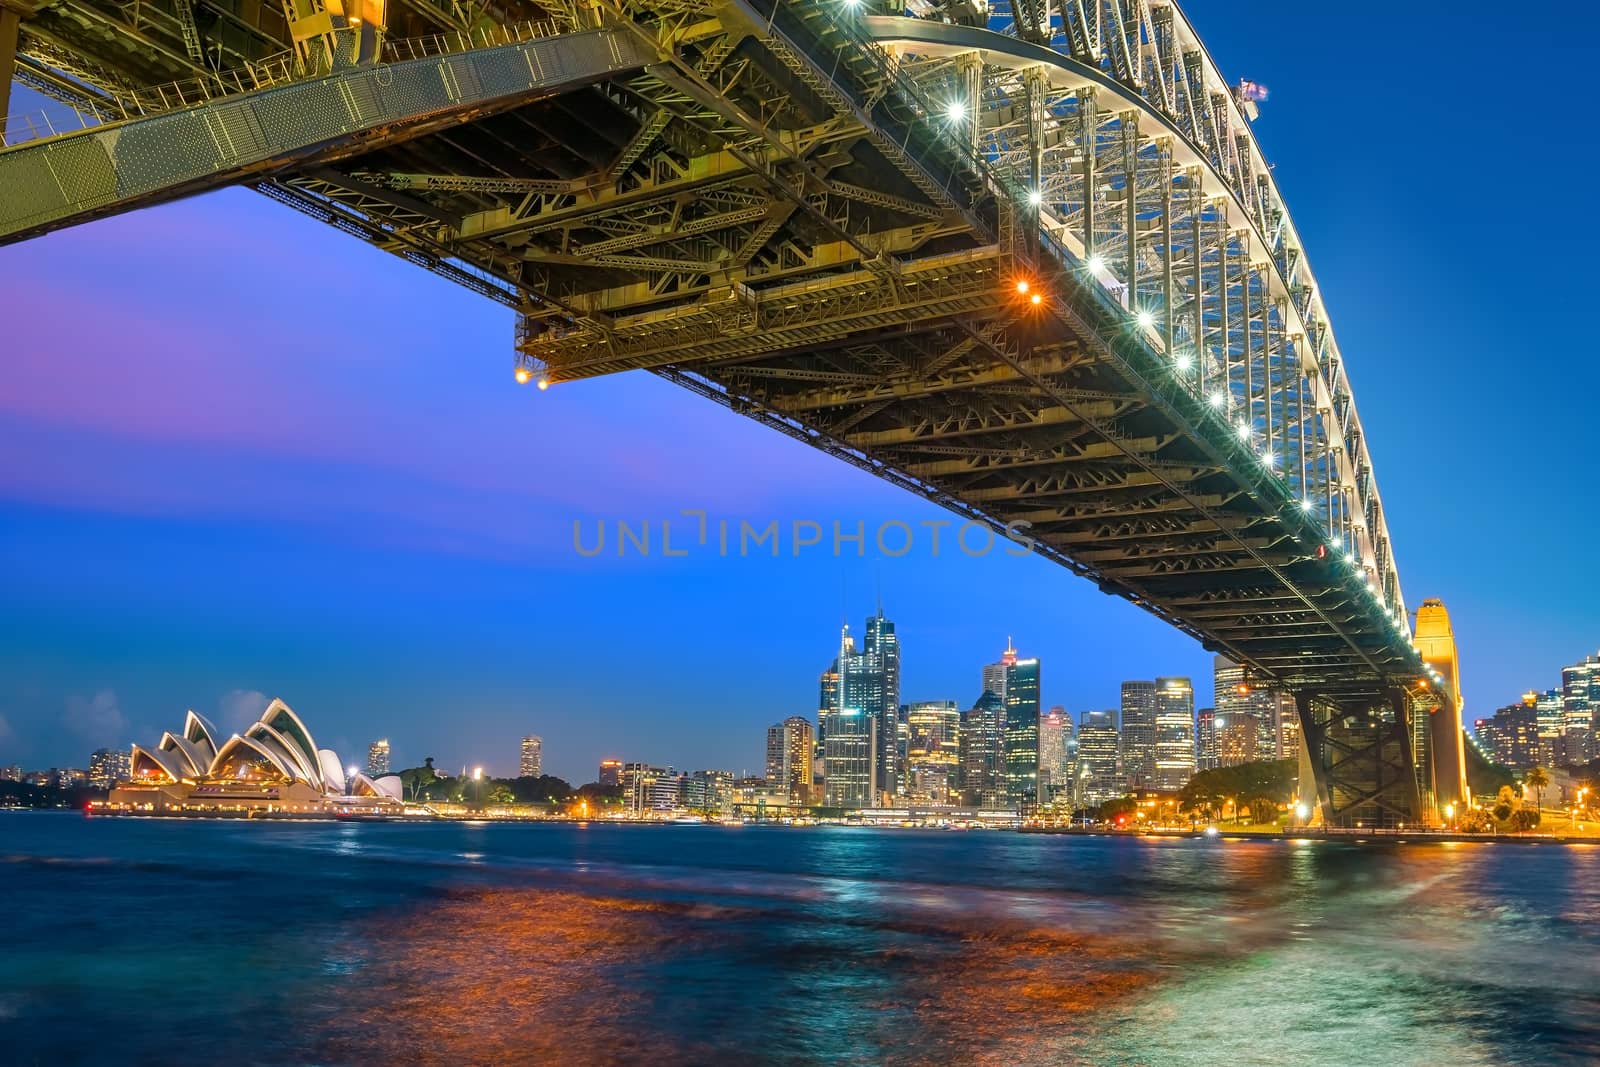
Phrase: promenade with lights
[1033,268]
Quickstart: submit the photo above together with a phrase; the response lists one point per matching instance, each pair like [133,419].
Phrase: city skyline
[153,549]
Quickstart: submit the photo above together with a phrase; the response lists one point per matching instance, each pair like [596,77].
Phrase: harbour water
[136,941]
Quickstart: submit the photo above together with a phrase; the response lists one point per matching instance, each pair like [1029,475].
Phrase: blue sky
[242,456]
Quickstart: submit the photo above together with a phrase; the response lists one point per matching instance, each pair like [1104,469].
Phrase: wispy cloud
[97,719]
[239,708]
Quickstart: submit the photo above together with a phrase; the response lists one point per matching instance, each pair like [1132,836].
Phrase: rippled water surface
[144,941]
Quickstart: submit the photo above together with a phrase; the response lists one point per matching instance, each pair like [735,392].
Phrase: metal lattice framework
[1043,277]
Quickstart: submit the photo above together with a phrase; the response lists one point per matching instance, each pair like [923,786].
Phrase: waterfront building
[933,751]
[789,756]
[1238,739]
[378,758]
[1174,733]
[11,773]
[610,774]
[1547,710]
[107,767]
[1100,775]
[1139,732]
[710,791]
[531,764]
[1206,754]
[1022,732]
[1058,752]
[644,786]
[982,747]
[274,766]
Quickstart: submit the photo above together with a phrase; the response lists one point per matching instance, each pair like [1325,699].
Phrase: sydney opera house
[272,768]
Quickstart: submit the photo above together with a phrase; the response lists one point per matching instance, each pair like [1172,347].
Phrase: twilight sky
[244,456]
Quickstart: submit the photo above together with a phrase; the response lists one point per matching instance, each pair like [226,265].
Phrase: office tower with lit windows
[982,746]
[532,763]
[850,727]
[1514,734]
[1238,738]
[378,759]
[880,680]
[108,766]
[1022,733]
[994,674]
[933,751]
[1580,704]
[610,774]
[1547,711]
[1139,733]
[1288,726]
[789,753]
[1206,755]
[1100,775]
[1174,733]
[1058,752]
[1234,696]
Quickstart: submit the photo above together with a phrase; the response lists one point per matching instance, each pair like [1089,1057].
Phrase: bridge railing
[118,105]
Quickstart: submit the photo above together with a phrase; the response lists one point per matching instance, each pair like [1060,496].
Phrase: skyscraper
[1139,733]
[933,751]
[1174,733]
[1514,737]
[532,764]
[1058,750]
[994,674]
[1288,726]
[1206,756]
[610,774]
[789,747]
[1238,738]
[108,766]
[1022,732]
[1098,756]
[850,728]
[378,759]
[983,738]
[1235,696]
[1547,709]
[1580,704]
[880,677]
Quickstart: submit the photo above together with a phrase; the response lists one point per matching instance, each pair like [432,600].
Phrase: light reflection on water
[335,944]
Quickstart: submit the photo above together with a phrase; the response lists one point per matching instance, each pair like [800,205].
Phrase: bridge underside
[763,205]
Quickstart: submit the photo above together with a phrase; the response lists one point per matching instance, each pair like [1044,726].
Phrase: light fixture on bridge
[1035,197]
[1035,299]
[1269,458]
[1097,264]
[1022,286]
[1337,542]
[955,111]
[1217,399]
[1184,362]
[1305,503]
[1146,319]
[544,383]
[1244,431]
[523,375]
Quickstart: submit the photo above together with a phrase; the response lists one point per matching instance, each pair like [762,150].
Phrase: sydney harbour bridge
[1027,263]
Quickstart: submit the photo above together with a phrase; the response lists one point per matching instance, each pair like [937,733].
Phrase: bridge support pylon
[1362,751]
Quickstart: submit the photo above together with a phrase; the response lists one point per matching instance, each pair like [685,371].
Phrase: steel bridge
[1029,264]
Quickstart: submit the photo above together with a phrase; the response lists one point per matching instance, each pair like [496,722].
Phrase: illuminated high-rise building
[610,774]
[933,751]
[1099,758]
[1514,735]
[983,738]
[1580,704]
[1174,733]
[1547,711]
[878,679]
[1139,733]
[1206,754]
[378,759]
[1238,738]
[850,728]
[994,674]
[1022,732]
[531,764]
[1234,696]
[1058,757]
[789,754]
[108,766]
[1288,727]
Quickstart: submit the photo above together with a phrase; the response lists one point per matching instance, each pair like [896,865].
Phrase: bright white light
[1269,458]
[1035,197]
[1097,264]
[1244,431]
[1146,319]
[1184,361]
[1338,542]
[1349,557]
[1217,400]
[851,3]
[1302,811]
[1305,505]
[351,771]
[955,111]
[1211,831]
